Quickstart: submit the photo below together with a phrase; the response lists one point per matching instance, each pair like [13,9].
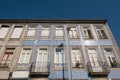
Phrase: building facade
[32,49]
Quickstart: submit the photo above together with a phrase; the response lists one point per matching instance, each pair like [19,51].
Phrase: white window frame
[25,57]
[109,56]
[72,32]
[41,64]
[79,55]
[59,60]
[13,36]
[30,32]
[5,32]
[94,59]
[43,34]
[58,28]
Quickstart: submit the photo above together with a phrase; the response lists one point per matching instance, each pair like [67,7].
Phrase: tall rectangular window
[45,32]
[31,32]
[87,34]
[101,33]
[94,60]
[17,32]
[77,58]
[8,55]
[3,31]
[59,57]
[42,60]
[110,57]
[24,58]
[59,33]
[73,32]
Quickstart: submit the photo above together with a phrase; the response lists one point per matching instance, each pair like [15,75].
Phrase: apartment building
[41,49]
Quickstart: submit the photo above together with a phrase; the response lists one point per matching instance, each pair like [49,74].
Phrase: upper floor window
[77,58]
[8,55]
[31,31]
[59,33]
[110,57]
[3,31]
[24,58]
[73,33]
[87,34]
[101,32]
[45,32]
[59,57]
[17,32]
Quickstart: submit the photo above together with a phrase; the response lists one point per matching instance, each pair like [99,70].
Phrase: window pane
[4,31]
[17,32]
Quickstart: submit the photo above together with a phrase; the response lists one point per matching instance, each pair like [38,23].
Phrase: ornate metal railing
[22,66]
[98,69]
[77,65]
[40,67]
[4,66]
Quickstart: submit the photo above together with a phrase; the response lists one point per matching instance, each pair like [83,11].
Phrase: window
[59,57]
[45,33]
[94,60]
[101,33]
[31,32]
[77,58]
[17,32]
[7,58]
[110,57]
[73,32]
[59,32]
[42,60]
[87,34]
[3,31]
[24,58]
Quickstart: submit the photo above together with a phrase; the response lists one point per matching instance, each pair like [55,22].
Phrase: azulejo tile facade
[38,49]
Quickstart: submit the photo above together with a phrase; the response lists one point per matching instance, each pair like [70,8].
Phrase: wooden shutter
[3,31]
[17,32]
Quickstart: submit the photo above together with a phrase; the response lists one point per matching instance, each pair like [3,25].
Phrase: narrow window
[59,58]
[87,34]
[110,57]
[101,33]
[59,32]
[8,55]
[94,61]
[31,32]
[24,58]
[3,31]
[73,32]
[42,60]
[17,32]
[45,32]
[76,56]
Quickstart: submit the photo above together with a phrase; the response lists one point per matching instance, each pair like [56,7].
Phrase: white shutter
[17,32]
[3,32]
[75,33]
[70,33]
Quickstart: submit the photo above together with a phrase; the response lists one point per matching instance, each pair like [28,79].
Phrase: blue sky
[65,9]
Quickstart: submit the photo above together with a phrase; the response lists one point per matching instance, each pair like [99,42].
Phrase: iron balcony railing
[40,66]
[98,69]
[22,66]
[4,66]
[77,65]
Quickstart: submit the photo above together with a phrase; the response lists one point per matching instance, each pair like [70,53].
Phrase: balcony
[100,70]
[4,66]
[40,68]
[77,65]
[22,66]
